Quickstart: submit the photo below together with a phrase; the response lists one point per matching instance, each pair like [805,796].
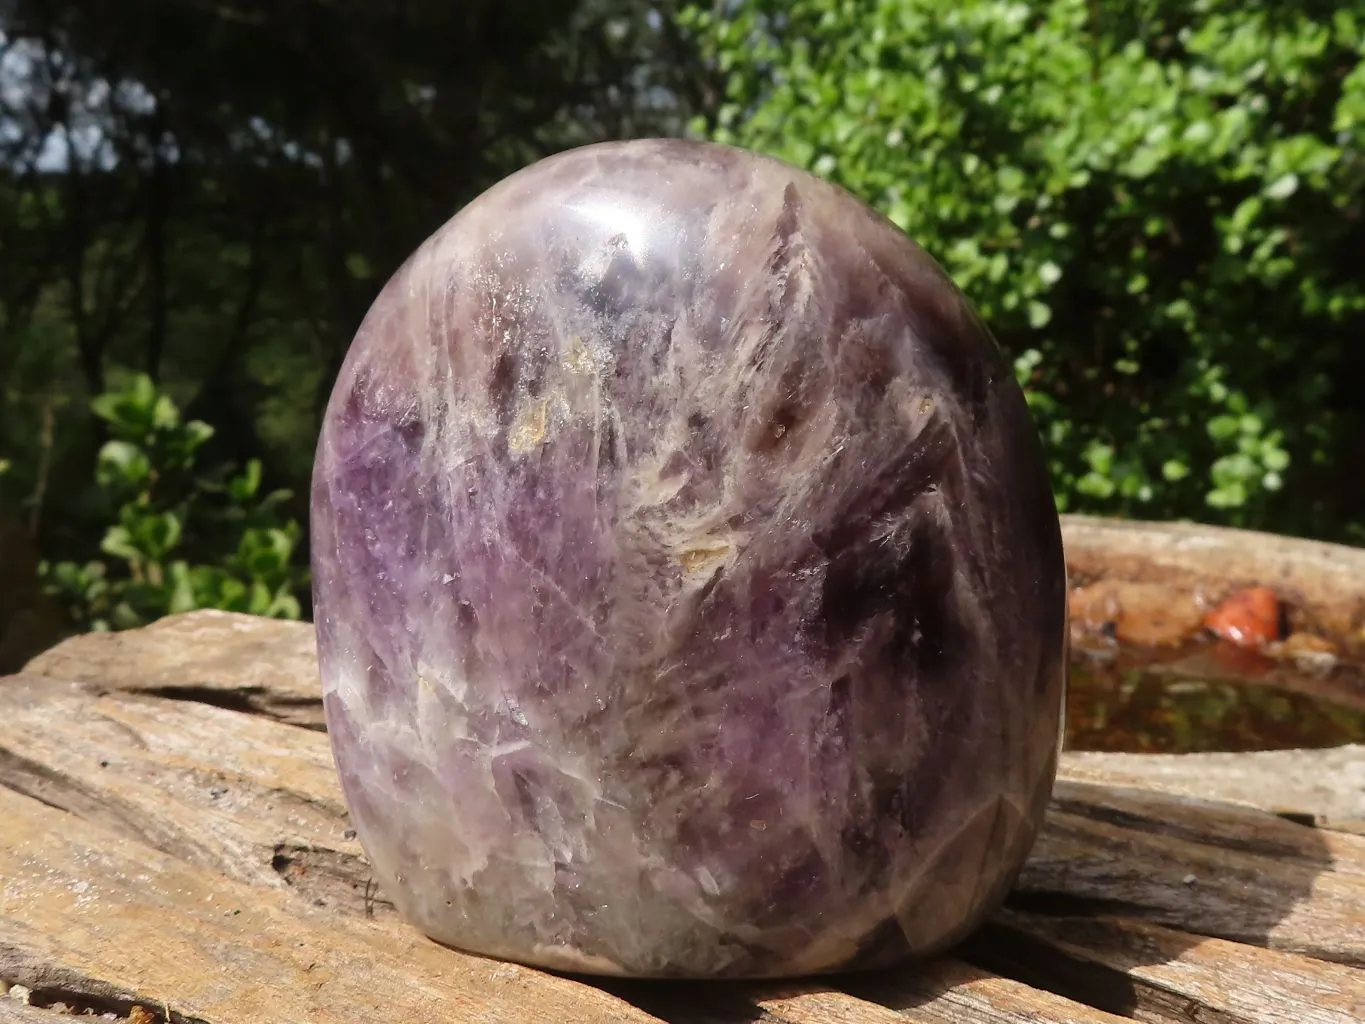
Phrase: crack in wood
[251,700]
[81,995]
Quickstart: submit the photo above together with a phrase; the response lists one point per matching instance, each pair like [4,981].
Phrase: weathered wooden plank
[941,991]
[109,914]
[243,795]
[161,940]
[951,992]
[690,1003]
[25,1006]
[257,800]
[1322,787]
[821,1005]
[15,1012]
[1104,853]
[1159,974]
[1201,820]
[245,662]
[12,1012]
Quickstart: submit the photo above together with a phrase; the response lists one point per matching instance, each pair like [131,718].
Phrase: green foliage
[1159,206]
[181,536]
[184,192]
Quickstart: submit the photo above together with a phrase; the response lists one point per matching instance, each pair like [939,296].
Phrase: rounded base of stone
[884,949]
[563,960]
[944,901]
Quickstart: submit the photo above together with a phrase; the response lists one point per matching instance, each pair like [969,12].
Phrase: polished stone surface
[689,588]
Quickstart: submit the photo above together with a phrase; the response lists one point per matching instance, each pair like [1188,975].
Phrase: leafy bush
[182,537]
[1159,206]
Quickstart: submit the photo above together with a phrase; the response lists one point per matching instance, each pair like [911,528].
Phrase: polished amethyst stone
[689,588]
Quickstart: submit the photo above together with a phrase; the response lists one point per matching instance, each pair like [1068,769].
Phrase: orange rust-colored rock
[1250,618]
[1324,583]
[1143,614]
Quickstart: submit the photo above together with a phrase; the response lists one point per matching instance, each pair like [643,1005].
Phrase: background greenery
[1157,205]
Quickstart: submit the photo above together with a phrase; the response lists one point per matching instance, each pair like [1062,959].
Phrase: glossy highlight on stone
[688,584]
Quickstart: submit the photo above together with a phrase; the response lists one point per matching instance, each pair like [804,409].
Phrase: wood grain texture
[1165,975]
[243,662]
[114,914]
[1321,787]
[243,795]
[183,843]
[12,1012]
[951,992]
[255,800]
[1241,878]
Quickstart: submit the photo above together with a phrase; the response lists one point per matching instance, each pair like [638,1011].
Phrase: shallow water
[1153,709]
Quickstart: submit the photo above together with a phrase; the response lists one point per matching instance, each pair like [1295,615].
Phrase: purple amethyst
[689,588]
